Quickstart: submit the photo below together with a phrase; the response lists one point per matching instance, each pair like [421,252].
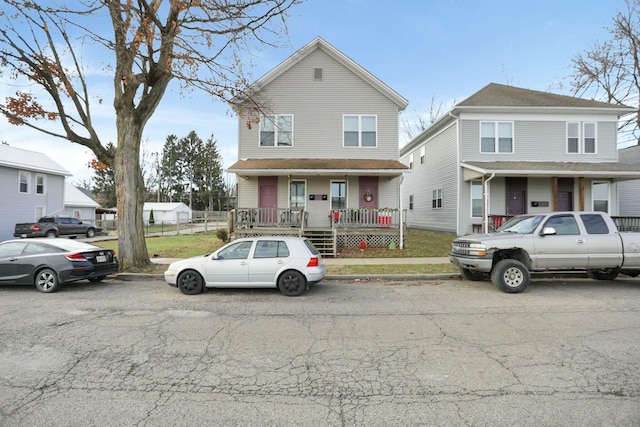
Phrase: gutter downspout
[485,218]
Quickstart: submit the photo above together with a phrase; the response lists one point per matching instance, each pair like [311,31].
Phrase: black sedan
[48,263]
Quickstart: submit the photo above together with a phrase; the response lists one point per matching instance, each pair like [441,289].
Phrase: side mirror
[548,231]
[214,256]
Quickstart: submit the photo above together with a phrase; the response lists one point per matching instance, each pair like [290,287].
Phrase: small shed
[167,213]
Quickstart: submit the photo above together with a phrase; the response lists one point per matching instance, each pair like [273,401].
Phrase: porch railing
[270,217]
[364,218]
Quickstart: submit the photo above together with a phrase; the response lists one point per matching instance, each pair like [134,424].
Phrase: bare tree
[610,70]
[200,43]
[421,121]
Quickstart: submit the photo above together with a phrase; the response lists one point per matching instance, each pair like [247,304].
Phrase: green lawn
[418,243]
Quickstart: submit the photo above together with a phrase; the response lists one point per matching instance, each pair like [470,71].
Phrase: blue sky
[424,49]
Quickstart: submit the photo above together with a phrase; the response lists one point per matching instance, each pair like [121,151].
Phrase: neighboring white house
[629,191]
[167,213]
[78,205]
[506,151]
[31,186]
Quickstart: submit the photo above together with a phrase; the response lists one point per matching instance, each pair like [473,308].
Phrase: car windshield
[524,224]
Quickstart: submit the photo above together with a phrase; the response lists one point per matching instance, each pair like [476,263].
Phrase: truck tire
[472,275]
[604,274]
[510,276]
[51,234]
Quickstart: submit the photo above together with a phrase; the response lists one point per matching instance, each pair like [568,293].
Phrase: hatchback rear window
[312,248]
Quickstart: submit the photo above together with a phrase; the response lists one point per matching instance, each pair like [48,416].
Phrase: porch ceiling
[610,170]
[318,167]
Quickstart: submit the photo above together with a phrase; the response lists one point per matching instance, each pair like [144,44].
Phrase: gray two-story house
[505,151]
[31,186]
[324,153]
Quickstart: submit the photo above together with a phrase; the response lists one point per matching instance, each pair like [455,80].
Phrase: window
[317,74]
[496,137]
[476,199]
[411,161]
[297,195]
[271,249]
[238,250]
[422,153]
[564,225]
[23,182]
[276,131]
[600,196]
[359,131]
[595,224]
[436,199]
[40,181]
[338,195]
[581,138]
[411,202]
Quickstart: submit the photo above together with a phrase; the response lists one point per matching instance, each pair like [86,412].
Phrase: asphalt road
[139,353]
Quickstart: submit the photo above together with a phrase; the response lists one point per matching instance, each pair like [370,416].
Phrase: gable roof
[18,158]
[497,95]
[320,43]
[74,197]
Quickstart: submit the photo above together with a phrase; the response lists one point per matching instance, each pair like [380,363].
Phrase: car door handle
[581,241]
[13,259]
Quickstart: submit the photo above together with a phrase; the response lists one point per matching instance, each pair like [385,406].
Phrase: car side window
[271,249]
[12,249]
[34,249]
[595,224]
[238,250]
[564,225]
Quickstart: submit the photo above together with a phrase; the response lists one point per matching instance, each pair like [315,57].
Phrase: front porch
[379,228]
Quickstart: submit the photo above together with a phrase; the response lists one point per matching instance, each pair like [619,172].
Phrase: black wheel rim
[292,283]
[189,283]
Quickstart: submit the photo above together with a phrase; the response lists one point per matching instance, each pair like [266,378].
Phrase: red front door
[268,198]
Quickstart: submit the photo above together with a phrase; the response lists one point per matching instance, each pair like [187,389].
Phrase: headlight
[477,249]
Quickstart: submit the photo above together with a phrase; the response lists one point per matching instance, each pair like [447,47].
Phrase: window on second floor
[422,154]
[411,202]
[23,182]
[581,138]
[436,199]
[360,131]
[496,137]
[411,161]
[40,183]
[276,131]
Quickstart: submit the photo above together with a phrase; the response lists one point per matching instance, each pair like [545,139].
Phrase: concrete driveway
[355,353]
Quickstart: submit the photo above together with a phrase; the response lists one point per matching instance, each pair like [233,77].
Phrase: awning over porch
[610,170]
[318,167]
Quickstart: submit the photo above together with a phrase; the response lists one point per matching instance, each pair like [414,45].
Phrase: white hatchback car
[291,264]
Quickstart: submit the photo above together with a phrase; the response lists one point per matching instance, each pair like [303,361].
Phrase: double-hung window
[422,154]
[496,137]
[581,138]
[338,195]
[24,179]
[297,195]
[436,199]
[360,131]
[476,199]
[600,196]
[276,131]
[40,184]
[411,161]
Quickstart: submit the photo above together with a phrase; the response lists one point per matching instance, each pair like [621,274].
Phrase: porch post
[581,194]
[554,194]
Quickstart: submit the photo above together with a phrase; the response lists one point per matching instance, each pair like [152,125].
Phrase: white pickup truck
[557,241]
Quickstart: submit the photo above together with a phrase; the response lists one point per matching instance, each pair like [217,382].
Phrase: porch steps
[325,240]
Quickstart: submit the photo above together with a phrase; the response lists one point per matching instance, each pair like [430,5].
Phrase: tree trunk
[132,247]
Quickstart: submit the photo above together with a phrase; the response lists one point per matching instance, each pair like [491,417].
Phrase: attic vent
[317,74]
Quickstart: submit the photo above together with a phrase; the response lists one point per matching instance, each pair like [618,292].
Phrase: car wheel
[46,280]
[190,282]
[51,234]
[474,276]
[96,279]
[292,283]
[511,276]
[604,274]
[91,233]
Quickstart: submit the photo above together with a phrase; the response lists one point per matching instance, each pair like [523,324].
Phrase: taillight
[313,262]
[36,227]
[75,257]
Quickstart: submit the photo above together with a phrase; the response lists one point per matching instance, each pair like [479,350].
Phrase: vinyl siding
[17,207]
[538,141]
[318,108]
[438,172]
